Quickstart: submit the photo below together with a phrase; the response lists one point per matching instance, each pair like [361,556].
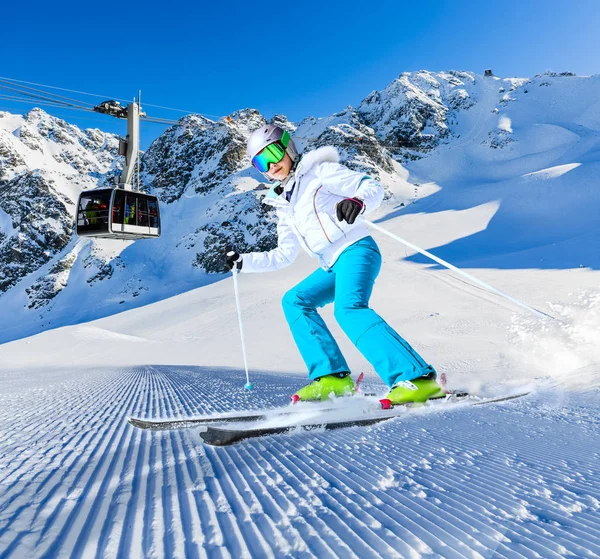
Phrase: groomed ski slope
[519,479]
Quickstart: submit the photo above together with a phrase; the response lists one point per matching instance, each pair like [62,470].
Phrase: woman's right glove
[234,259]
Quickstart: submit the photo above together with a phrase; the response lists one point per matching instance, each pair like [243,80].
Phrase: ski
[223,436]
[173,424]
[186,423]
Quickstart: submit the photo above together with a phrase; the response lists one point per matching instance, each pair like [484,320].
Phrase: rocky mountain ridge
[210,194]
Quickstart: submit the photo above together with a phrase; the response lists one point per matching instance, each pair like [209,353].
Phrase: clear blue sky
[299,59]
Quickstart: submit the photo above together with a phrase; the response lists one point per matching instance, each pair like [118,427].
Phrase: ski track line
[299,513]
[557,516]
[152,502]
[488,496]
[451,522]
[106,503]
[178,541]
[309,504]
[189,514]
[226,486]
[379,520]
[420,511]
[78,481]
[127,545]
[43,501]
[331,498]
[48,403]
[254,540]
[69,443]
[36,427]
[424,506]
[131,542]
[205,517]
[71,537]
[533,477]
[335,480]
[492,496]
[265,521]
[327,438]
[268,497]
[223,513]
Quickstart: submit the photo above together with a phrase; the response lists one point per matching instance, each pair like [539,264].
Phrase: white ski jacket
[308,219]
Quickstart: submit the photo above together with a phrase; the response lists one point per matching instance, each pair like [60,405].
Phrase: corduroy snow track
[517,479]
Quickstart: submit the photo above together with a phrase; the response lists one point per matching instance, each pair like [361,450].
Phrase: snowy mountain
[515,146]
[45,163]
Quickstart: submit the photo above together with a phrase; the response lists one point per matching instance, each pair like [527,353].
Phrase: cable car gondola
[120,212]
[113,213]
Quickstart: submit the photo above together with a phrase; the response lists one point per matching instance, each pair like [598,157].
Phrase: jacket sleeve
[280,257]
[340,180]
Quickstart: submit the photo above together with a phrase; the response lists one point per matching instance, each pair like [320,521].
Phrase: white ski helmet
[268,134]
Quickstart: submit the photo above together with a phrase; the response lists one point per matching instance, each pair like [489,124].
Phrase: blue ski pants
[348,284]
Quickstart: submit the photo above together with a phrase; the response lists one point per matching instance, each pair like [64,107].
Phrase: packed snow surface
[513,480]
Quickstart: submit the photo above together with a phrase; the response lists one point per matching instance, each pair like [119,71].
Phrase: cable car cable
[159,120]
[41,103]
[40,97]
[13,80]
[52,95]
[181,110]
[24,90]
[153,120]
[69,90]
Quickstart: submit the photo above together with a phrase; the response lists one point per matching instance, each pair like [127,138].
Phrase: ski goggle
[271,154]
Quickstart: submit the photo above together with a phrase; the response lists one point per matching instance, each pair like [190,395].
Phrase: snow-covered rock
[425,136]
[44,164]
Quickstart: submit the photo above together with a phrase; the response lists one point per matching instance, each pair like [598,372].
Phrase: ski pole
[234,271]
[459,271]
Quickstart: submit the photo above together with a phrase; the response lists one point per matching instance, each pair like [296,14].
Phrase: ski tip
[248,386]
[294,398]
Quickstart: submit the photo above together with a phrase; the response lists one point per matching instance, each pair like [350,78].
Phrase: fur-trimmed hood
[319,155]
[323,154]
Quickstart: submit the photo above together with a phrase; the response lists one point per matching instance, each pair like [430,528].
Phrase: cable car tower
[122,211]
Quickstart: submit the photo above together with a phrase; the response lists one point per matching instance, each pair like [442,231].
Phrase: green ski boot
[338,384]
[418,390]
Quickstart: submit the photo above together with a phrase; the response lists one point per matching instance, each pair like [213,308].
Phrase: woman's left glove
[234,259]
[349,209]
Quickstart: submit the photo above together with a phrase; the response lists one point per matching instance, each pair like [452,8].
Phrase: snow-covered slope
[518,480]
[498,176]
[504,155]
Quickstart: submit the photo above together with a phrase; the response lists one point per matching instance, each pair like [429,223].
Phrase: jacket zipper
[317,213]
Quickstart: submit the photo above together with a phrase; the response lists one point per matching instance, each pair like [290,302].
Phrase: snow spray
[567,350]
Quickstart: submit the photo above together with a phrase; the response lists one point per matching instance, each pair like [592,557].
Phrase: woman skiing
[319,206]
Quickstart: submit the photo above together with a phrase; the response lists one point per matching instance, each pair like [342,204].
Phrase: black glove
[348,209]
[234,259]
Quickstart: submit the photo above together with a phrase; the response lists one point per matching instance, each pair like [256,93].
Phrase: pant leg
[319,350]
[392,357]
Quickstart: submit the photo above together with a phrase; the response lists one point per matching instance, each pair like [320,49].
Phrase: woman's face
[281,170]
